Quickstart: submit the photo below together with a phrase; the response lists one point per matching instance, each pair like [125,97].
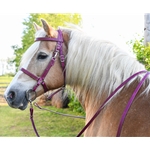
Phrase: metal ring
[31,95]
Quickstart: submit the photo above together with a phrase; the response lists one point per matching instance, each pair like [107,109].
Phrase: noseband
[58,49]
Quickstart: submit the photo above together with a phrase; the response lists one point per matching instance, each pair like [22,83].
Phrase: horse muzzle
[16,98]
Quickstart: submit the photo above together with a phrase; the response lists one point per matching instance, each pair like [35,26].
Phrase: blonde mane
[96,65]
[30,52]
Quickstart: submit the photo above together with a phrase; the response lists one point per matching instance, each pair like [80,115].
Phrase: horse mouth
[21,104]
[24,104]
[22,107]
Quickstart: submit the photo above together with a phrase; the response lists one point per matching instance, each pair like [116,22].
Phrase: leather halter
[58,49]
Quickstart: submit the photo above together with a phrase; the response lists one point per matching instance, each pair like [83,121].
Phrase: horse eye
[42,56]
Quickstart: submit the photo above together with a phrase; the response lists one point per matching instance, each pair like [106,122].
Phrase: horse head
[41,67]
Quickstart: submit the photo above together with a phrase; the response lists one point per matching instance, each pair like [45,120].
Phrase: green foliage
[74,104]
[147,56]
[54,20]
[18,51]
[142,52]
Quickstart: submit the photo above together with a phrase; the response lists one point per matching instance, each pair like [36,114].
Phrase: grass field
[4,81]
[16,123]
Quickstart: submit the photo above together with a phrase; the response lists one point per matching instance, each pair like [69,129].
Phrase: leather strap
[40,80]
[108,100]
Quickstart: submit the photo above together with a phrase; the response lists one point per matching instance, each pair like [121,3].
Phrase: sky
[11,29]
[117,21]
[118,28]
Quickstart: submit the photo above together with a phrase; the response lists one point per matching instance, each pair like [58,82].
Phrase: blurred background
[17,32]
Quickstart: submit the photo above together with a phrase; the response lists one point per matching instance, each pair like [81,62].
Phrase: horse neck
[112,112]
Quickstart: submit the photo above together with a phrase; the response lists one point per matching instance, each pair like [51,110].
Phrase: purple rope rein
[32,121]
[107,100]
[130,103]
[105,103]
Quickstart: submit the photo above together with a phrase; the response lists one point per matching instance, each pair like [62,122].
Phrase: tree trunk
[146,29]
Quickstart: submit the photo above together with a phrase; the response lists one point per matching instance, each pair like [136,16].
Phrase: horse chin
[22,107]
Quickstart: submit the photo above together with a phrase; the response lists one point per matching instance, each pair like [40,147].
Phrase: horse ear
[66,38]
[36,27]
[48,29]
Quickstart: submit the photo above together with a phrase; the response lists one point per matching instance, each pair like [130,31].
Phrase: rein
[58,113]
[127,107]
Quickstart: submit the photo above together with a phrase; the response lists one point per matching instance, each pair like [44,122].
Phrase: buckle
[55,53]
[62,58]
[31,95]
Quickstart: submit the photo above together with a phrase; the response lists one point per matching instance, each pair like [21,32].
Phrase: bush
[74,103]
[142,52]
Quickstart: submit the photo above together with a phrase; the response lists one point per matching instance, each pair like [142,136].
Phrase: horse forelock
[32,49]
[96,65]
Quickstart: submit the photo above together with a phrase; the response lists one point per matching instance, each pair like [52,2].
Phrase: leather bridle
[58,50]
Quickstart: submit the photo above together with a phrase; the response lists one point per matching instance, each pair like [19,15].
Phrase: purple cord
[107,100]
[31,118]
[130,103]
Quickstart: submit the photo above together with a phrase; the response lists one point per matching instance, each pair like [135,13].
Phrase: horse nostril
[11,95]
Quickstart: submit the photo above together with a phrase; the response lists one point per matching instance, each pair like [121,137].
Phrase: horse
[58,100]
[93,68]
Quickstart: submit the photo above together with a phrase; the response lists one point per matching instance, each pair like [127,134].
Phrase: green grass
[5,80]
[16,123]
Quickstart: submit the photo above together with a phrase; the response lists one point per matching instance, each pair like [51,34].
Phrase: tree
[142,51]
[54,20]
[142,47]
